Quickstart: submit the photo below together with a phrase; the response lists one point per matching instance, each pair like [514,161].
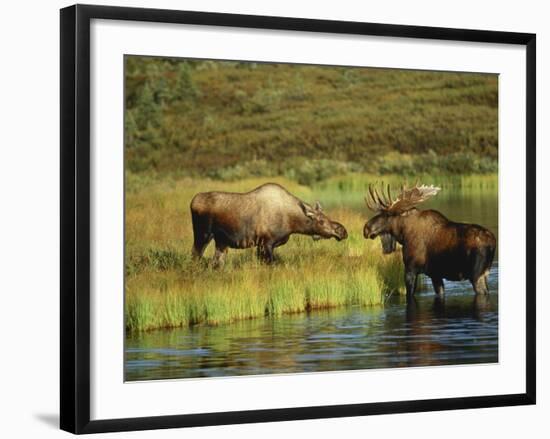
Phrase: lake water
[459,329]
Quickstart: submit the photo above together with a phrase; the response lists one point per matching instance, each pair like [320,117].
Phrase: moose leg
[410,283]
[480,270]
[486,281]
[265,252]
[269,257]
[201,235]
[480,285]
[260,251]
[438,285]
[199,245]
[219,256]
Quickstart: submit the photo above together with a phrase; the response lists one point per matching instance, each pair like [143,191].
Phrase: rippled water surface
[461,329]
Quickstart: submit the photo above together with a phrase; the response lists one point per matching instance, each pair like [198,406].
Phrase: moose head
[320,226]
[389,210]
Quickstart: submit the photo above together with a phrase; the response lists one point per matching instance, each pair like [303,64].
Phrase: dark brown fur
[437,247]
[264,218]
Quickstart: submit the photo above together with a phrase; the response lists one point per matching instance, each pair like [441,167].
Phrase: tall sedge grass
[234,294]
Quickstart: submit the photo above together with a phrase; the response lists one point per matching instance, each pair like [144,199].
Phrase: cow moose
[263,218]
[431,244]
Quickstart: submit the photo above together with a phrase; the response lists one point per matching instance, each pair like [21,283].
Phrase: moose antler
[407,199]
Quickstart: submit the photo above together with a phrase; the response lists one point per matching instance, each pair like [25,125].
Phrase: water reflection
[457,329]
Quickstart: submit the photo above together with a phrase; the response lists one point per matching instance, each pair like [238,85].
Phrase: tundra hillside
[229,120]
[324,134]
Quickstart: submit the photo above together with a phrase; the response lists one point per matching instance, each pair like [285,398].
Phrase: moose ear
[308,211]
[318,206]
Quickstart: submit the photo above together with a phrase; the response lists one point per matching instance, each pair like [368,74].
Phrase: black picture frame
[75,217]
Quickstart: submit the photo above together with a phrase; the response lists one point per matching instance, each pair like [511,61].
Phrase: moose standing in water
[432,244]
[264,218]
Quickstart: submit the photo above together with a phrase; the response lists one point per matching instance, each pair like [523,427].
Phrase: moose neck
[302,225]
[399,227]
[416,225]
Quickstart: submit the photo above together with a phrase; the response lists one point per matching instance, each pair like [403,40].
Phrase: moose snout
[340,232]
[344,234]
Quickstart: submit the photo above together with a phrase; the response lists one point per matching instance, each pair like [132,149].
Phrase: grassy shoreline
[165,288]
[222,297]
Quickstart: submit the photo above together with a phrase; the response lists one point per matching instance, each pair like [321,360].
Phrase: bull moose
[432,244]
[263,218]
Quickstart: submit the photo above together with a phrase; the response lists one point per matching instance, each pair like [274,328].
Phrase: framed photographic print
[267,218]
